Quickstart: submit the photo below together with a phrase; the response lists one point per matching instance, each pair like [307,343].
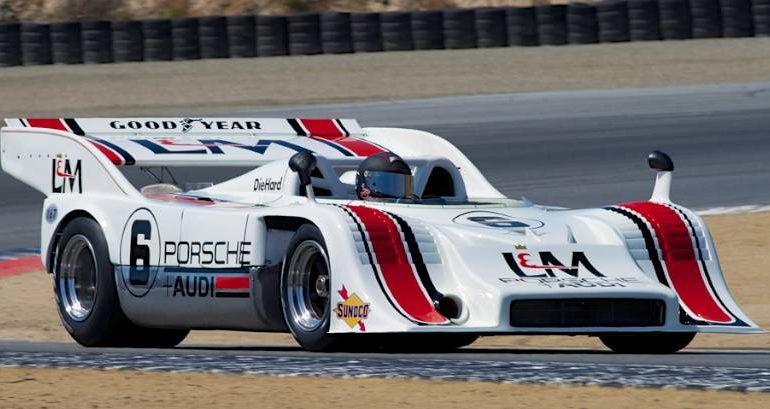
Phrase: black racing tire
[299,297]
[104,325]
[656,343]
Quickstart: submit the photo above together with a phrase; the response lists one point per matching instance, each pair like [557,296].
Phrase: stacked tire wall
[192,38]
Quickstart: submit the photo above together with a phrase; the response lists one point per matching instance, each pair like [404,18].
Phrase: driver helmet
[383,176]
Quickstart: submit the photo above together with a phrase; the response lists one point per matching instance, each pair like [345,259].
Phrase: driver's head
[383,175]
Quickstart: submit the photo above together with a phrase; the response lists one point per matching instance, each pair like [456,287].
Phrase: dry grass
[124,9]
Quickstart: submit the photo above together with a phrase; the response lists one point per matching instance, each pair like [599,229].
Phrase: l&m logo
[66,176]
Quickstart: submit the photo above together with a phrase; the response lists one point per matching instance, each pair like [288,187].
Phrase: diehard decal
[66,176]
[267,185]
[352,309]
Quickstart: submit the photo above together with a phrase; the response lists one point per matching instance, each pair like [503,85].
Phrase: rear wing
[62,155]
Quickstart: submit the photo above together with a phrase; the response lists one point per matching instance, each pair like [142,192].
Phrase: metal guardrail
[98,42]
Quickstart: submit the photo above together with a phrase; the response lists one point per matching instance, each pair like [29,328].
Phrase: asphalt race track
[724,370]
[573,149]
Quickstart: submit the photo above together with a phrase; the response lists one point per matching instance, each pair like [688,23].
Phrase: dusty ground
[76,389]
[29,312]
[209,85]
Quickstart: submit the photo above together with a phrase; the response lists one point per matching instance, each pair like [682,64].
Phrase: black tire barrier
[582,24]
[66,43]
[242,36]
[305,34]
[552,24]
[521,25]
[97,42]
[272,36]
[35,44]
[760,9]
[613,21]
[10,44]
[212,37]
[643,20]
[336,33]
[127,41]
[396,29]
[675,19]
[366,32]
[706,18]
[184,39]
[459,29]
[491,27]
[428,29]
[158,42]
[737,20]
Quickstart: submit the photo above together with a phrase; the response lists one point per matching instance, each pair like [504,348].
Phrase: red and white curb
[19,261]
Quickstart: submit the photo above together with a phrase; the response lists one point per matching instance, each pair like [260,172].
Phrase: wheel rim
[307,285]
[77,278]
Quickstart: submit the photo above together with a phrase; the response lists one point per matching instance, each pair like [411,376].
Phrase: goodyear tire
[305,291]
[86,295]
[657,343]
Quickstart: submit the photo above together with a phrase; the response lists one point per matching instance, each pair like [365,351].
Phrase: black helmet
[383,175]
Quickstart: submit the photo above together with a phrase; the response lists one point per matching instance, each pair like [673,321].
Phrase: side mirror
[304,163]
[660,161]
[663,164]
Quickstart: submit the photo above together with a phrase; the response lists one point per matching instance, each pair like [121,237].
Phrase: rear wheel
[657,343]
[305,290]
[87,298]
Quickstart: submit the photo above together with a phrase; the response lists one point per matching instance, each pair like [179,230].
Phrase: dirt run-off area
[27,388]
[29,312]
[210,86]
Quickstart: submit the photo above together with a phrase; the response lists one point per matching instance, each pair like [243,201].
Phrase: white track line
[733,210]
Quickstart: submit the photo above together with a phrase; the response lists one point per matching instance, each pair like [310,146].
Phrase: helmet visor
[388,184]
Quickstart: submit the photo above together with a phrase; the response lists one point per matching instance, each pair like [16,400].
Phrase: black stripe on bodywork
[231,295]
[374,265]
[652,250]
[738,321]
[419,262]
[127,157]
[342,127]
[649,242]
[74,127]
[297,127]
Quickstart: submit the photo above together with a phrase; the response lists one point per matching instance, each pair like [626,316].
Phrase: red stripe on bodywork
[50,123]
[397,273]
[20,265]
[678,253]
[231,283]
[109,153]
[328,130]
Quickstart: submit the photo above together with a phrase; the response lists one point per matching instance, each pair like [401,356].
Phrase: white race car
[290,246]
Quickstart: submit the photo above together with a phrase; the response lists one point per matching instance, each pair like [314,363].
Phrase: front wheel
[305,290]
[657,343]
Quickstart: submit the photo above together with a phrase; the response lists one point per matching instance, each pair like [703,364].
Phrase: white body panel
[215,254]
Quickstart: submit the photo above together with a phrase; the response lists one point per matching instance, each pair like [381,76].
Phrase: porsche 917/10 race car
[289,245]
